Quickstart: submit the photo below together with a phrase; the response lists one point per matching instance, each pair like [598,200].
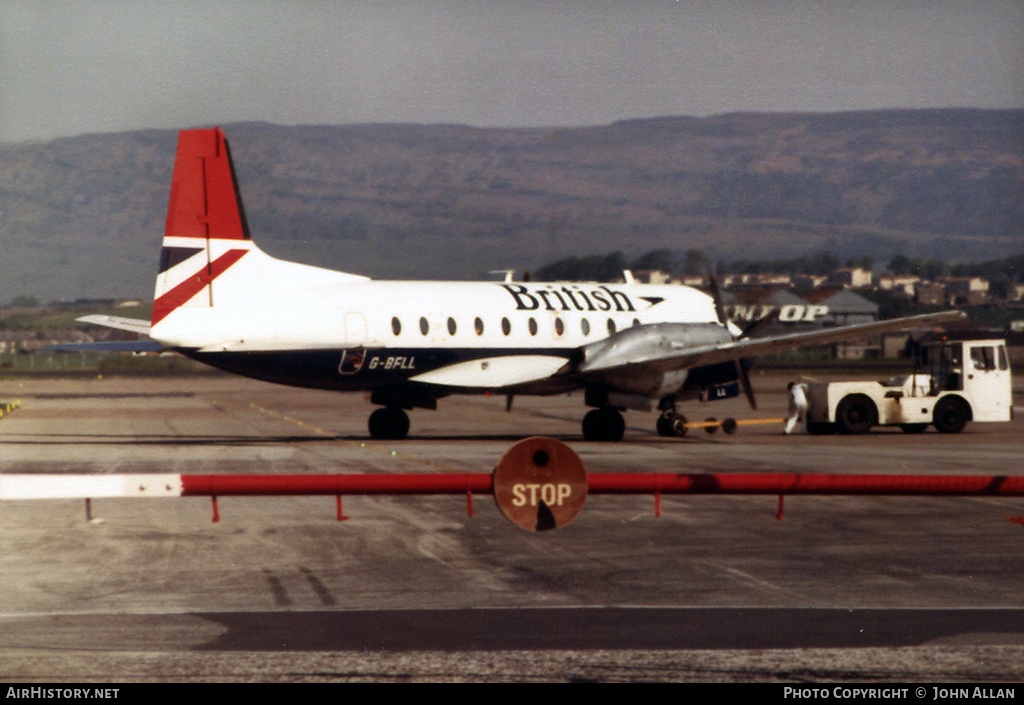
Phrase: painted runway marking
[357,444]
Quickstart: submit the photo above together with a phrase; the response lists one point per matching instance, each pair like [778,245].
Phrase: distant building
[844,307]
[850,278]
[847,308]
[903,284]
[809,281]
[969,291]
[963,285]
[930,294]
[773,280]
[757,280]
[651,276]
[895,344]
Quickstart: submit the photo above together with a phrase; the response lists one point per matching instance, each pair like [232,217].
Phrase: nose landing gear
[671,423]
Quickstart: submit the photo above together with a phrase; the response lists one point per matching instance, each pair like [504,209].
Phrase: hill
[83,216]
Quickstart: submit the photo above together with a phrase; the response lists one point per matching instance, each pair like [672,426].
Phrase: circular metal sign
[540,484]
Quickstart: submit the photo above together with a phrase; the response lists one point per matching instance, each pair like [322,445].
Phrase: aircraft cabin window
[479,325]
[451,326]
[636,321]
[424,326]
[611,327]
[533,326]
[396,326]
[506,326]
[559,327]
[585,326]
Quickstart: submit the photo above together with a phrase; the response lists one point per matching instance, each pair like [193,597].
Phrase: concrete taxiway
[411,588]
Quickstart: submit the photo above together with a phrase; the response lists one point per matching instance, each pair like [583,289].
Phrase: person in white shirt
[797,408]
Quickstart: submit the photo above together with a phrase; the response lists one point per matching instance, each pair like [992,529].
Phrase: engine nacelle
[620,352]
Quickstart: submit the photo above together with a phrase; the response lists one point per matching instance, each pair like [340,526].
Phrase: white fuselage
[470,335]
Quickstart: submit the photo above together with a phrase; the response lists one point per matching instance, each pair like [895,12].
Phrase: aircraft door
[945,365]
[355,330]
[986,380]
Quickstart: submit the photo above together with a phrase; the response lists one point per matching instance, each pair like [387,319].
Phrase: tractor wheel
[856,414]
[951,415]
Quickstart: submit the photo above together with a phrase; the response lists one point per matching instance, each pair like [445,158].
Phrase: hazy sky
[69,67]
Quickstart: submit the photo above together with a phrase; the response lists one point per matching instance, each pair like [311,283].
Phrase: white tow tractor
[953,383]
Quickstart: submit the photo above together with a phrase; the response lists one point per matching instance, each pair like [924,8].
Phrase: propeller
[741,371]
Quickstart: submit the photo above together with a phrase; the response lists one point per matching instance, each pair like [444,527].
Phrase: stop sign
[540,484]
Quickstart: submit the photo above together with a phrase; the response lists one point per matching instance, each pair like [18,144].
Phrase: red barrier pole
[609,483]
[375,484]
[783,483]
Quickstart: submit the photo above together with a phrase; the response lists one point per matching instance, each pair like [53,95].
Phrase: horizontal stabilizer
[135,325]
[109,346]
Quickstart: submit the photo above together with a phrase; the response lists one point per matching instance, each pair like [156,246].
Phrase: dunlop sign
[790,313]
[540,484]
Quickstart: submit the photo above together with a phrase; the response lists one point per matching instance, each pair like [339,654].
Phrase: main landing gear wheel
[389,423]
[671,424]
[604,424]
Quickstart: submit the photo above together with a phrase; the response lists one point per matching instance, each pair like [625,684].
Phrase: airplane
[221,300]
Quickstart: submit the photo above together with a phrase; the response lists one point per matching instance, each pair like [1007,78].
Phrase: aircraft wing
[665,360]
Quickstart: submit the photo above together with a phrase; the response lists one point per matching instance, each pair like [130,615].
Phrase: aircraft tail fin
[208,259]
[206,231]
[204,190]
